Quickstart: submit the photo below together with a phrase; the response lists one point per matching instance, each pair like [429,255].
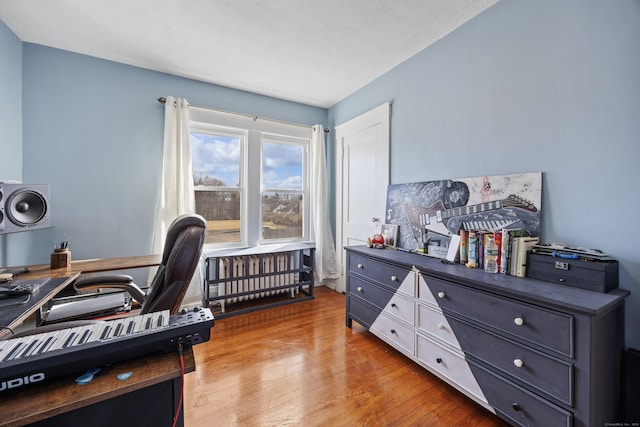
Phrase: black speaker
[23,207]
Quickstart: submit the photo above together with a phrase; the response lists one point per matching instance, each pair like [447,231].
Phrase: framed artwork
[429,213]
[390,234]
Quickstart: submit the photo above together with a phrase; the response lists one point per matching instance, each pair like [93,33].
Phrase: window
[283,195]
[217,163]
[250,178]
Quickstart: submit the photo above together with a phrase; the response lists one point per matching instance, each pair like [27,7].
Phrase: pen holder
[60,258]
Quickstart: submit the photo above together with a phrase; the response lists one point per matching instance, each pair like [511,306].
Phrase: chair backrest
[182,250]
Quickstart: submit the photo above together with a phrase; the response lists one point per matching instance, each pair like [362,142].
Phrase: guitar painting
[430,212]
[436,217]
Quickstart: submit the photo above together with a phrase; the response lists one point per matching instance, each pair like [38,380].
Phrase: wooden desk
[91,266]
[150,396]
[16,314]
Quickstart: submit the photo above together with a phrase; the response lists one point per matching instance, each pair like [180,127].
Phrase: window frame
[305,144]
[204,120]
[243,136]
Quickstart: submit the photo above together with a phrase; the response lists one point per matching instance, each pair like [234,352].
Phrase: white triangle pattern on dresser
[439,348]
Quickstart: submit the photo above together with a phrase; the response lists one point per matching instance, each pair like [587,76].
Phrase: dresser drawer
[543,328]
[432,322]
[395,333]
[394,304]
[361,312]
[541,373]
[402,308]
[448,365]
[383,273]
[518,405]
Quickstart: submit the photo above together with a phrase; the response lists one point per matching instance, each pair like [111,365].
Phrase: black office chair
[182,250]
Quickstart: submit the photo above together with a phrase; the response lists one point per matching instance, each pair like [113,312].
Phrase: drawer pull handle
[393,331]
[438,360]
[441,294]
[562,280]
[394,279]
[518,321]
[360,289]
[518,362]
[393,304]
[516,407]
[441,326]
[360,266]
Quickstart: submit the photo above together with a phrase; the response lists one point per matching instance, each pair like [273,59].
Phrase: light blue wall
[11,105]
[546,85]
[93,130]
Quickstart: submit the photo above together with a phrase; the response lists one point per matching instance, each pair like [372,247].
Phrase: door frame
[380,115]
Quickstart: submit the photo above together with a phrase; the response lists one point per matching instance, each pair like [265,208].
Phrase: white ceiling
[315,52]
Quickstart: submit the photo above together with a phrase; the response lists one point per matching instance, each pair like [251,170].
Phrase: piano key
[69,340]
[132,325]
[3,345]
[20,347]
[60,339]
[157,318]
[147,321]
[10,355]
[84,336]
[28,342]
[49,340]
[94,332]
[116,328]
[119,329]
[74,336]
[14,347]
[33,347]
[105,332]
[160,318]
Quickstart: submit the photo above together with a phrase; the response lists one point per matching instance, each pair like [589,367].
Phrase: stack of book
[513,245]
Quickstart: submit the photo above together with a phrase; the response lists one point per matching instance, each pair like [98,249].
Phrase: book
[480,249]
[524,246]
[497,237]
[504,247]
[464,242]
[513,262]
[508,234]
[472,248]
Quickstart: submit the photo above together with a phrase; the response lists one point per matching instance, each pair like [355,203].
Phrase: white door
[362,179]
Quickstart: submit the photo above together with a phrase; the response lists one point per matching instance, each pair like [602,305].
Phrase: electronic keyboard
[36,358]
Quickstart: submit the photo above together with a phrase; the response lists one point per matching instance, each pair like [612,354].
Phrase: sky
[218,156]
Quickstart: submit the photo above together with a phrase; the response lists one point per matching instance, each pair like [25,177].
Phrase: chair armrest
[111,281]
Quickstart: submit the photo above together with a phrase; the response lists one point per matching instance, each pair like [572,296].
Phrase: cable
[175,418]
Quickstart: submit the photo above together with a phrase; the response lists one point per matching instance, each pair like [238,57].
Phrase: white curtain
[176,184]
[326,266]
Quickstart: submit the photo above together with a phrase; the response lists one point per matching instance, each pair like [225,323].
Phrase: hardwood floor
[298,365]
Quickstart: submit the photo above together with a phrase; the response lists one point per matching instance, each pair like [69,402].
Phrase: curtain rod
[163,100]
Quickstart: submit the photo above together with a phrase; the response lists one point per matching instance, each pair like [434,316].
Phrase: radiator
[256,276]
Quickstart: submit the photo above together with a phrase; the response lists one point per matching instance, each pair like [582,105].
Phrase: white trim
[379,116]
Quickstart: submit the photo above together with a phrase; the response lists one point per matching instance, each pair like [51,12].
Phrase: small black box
[599,276]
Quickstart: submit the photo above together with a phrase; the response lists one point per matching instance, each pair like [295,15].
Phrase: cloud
[216,156]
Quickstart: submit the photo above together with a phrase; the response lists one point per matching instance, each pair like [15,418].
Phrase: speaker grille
[26,207]
[23,207]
